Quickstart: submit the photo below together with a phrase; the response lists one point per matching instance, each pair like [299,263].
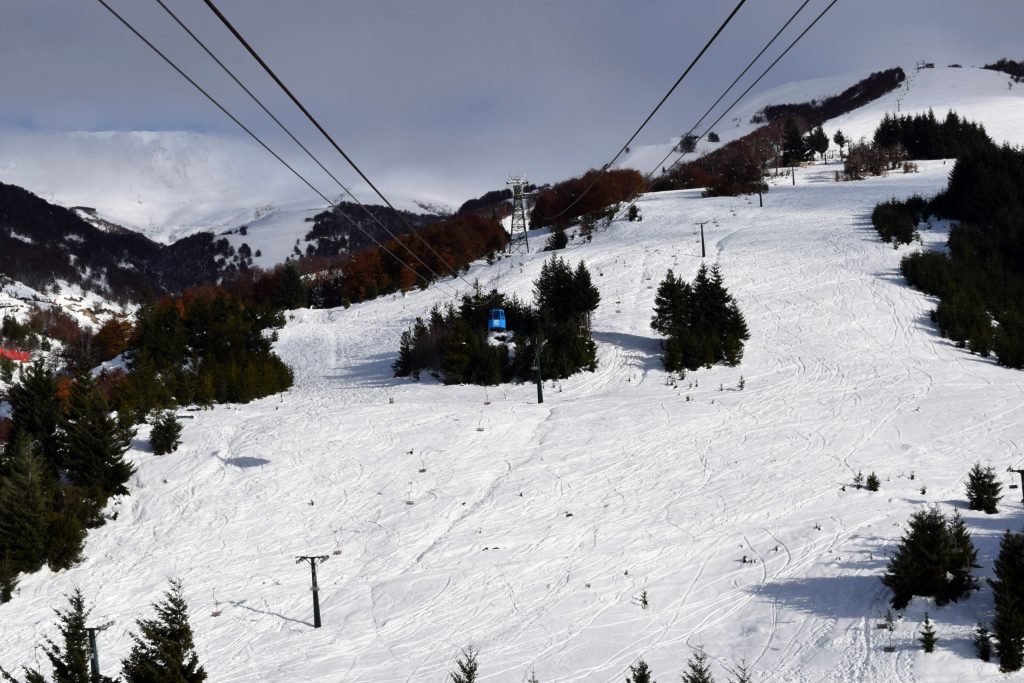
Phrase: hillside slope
[976,94]
[534,528]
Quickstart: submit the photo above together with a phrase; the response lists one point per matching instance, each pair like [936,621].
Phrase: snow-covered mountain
[457,515]
[976,94]
[168,185]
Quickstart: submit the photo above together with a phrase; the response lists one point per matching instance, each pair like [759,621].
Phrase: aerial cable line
[270,72]
[295,140]
[757,80]
[721,97]
[251,134]
[654,111]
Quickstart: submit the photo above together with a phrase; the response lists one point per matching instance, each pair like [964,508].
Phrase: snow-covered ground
[467,515]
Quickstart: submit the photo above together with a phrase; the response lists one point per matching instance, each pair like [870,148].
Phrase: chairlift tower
[517,240]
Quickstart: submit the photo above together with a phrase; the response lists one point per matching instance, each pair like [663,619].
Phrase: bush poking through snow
[928,637]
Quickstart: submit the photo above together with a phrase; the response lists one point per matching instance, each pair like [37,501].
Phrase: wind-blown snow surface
[534,528]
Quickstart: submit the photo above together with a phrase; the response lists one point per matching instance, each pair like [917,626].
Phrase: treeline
[206,346]
[454,343]
[565,203]
[1007,66]
[68,433]
[857,95]
[442,249]
[980,280]
[701,321]
[348,227]
[923,136]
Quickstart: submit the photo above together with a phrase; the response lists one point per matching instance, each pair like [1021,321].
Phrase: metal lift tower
[517,240]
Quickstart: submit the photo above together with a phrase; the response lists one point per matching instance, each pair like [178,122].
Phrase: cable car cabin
[496,320]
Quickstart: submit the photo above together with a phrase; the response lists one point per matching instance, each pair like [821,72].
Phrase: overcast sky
[449,96]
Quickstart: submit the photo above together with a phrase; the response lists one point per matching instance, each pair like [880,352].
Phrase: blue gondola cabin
[496,320]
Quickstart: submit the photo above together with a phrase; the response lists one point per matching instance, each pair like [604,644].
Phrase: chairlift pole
[94,653]
[702,250]
[539,343]
[313,559]
[1021,473]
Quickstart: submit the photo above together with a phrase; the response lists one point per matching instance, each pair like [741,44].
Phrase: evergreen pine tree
[872,483]
[983,489]
[533,677]
[793,149]
[920,563]
[817,141]
[698,670]
[742,674]
[1008,591]
[164,651]
[93,444]
[640,673]
[982,641]
[291,290]
[36,411]
[466,665]
[8,579]
[840,141]
[69,659]
[928,637]
[557,239]
[24,511]
[164,435]
[963,558]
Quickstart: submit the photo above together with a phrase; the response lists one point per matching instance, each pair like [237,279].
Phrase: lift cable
[604,169]
[255,55]
[743,94]
[288,132]
[255,137]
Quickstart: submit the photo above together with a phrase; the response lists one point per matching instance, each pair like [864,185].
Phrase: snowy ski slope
[534,528]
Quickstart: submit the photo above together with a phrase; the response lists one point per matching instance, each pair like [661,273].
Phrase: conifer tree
[982,641]
[983,489]
[817,141]
[36,411]
[742,674]
[467,667]
[164,651]
[794,149]
[8,579]
[928,637]
[697,669]
[640,673]
[24,510]
[840,141]
[93,444]
[70,658]
[934,559]
[164,436]
[963,558]
[872,483]
[291,291]
[1008,591]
